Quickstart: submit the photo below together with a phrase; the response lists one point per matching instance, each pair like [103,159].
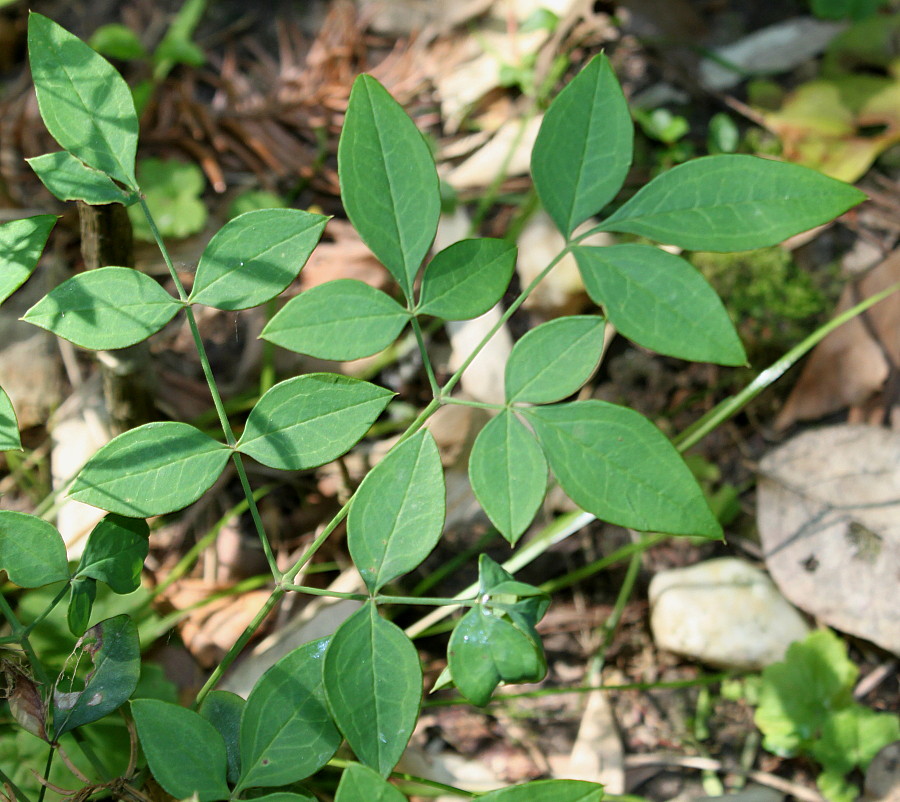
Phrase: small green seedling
[363,684]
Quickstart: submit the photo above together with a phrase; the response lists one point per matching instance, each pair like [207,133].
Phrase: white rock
[723,612]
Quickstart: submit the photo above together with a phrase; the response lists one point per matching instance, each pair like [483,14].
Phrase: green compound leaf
[287,733]
[373,682]
[486,650]
[115,553]
[223,710]
[799,694]
[343,319]
[397,514]
[111,307]
[115,651]
[615,464]
[151,470]
[21,538]
[389,184]
[851,737]
[583,150]
[21,244]
[310,420]
[508,473]
[361,784]
[548,791]
[84,102]
[253,257]
[466,279]
[661,302]
[70,179]
[82,593]
[9,425]
[184,751]
[732,203]
[554,359]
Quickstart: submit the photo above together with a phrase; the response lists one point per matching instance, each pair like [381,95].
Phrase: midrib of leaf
[374,695]
[469,279]
[74,89]
[581,160]
[141,472]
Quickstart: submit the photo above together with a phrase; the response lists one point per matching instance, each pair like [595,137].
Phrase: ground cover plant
[363,685]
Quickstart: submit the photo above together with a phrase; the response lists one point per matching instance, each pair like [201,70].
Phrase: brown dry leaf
[850,366]
[346,256]
[829,520]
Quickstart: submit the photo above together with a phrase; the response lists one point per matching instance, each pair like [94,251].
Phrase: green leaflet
[287,733]
[310,420]
[851,737]
[661,302]
[554,359]
[732,203]
[361,784]
[548,791]
[9,425]
[397,514]
[70,179]
[115,553]
[223,710]
[82,593]
[111,307]
[21,244]
[84,102]
[373,683]
[615,464]
[253,257]
[185,752]
[389,184]
[508,473]
[154,469]
[466,279]
[342,319]
[115,651]
[23,536]
[583,150]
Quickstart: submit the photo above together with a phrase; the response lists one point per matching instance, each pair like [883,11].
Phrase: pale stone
[723,612]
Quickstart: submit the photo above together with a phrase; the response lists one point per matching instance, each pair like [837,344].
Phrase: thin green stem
[47,768]
[254,514]
[22,638]
[429,601]
[162,248]
[238,645]
[307,555]
[465,402]
[48,609]
[612,623]
[20,795]
[731,406]
[331,594]
[426,360]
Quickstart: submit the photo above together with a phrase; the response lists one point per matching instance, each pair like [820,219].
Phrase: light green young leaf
[115,651]
[466,279]
[548,791]
[397,514]
[115,552]
[173,191]
[373,683]
[151,470]
[287,733]
[82,593]
[343,319]
[486,650]
[111,307]
[23,536]
[732,203]
[70,179]
[310,420]
[614,463]
[9,425]
[852,736]
[223,710]
[21,244]
[361,784]
[508,473]
[798,694]
[583,150]
[185,752]
[84,102]
[117,41]
[253,257]
[389,184]
[835,787]
[554,359]
[661,302]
